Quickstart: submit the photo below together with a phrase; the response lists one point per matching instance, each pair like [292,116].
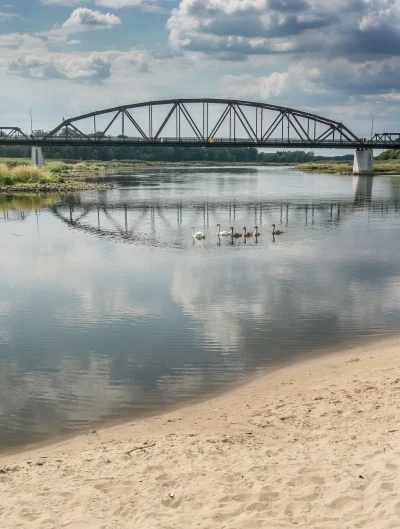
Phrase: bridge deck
[111,141]
[200,123]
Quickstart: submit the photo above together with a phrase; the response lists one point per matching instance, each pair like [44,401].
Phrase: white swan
[222,233]
[198,234]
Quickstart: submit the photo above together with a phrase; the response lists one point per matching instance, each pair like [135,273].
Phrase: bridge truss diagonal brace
[83,135]
[290,122]
[272,128]
[220,121]
[306,135]
[110,124]
[156,137]
[249,129]
[331,129]
[191,121]
[135,124]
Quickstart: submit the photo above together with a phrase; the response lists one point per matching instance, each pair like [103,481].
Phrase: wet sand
[315,444]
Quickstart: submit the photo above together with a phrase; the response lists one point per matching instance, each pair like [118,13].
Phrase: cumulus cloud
[118,4]
[82,19]
[113,4]
[90,69]
[340,76]
[11,39]
[249,27]
[248,86]
[139,59]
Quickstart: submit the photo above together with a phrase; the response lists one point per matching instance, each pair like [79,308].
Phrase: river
[110,310]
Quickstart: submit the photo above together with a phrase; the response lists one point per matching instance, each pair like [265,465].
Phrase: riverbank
[314,444]
[17,177]
[391,167]
[67,187]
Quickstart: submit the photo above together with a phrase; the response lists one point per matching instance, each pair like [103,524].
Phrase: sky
[62,58]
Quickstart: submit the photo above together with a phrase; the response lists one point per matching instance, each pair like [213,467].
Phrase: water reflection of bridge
[120,215]
[159,223]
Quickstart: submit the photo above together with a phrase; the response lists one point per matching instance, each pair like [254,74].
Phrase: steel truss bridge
[200,123]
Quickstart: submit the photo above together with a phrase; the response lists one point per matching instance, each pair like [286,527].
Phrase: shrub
[45,180]
[81,166]
[57,167]
[8,181]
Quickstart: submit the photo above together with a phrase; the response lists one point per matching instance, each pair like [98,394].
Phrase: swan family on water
[230,233]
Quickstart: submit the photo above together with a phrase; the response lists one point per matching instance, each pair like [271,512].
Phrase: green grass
[325,167]
[15,162]
[387,167]
[57,167]
[23,174]
[382,167]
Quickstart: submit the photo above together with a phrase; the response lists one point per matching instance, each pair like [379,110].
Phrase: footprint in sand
[341,502]
[171,503]
[114,489]
[257,507]
[236,497]
[387,485]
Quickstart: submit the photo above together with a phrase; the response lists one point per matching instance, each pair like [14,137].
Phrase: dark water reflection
[108,308]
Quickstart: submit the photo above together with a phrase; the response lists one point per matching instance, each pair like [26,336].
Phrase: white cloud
[234,27]
[11,39]
[113,4]
[92,68]
[118,4]
[83,19]
[5,17]
[262,87]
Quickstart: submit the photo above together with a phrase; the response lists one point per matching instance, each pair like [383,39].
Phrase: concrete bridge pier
[37,157]
[363,161]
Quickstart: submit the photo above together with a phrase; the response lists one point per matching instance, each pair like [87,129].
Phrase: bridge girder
[293,125]
[200,122]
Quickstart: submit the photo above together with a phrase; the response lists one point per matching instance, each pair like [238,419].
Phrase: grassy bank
[18,172]
[382,167]
[18,176]
[325,167]
[22,174]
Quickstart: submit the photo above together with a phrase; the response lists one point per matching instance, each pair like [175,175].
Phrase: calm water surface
[109,309]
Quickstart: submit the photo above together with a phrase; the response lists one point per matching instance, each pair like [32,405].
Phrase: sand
[315,444]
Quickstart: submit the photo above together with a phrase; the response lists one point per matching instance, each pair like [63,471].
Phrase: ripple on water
[109,308]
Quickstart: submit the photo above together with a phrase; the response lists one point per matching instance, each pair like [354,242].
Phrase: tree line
[168,154]
[391,154]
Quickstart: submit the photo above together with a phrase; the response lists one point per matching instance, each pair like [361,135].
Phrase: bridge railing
[17,138]
[200,122]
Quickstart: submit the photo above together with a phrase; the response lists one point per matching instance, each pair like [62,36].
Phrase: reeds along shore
[22,174]
[16,176]
[387,167]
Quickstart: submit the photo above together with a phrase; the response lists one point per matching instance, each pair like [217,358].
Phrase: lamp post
[372,125]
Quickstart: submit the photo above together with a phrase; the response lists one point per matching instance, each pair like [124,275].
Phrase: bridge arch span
[196,122]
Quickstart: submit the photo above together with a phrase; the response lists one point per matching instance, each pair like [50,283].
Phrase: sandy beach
[315,444]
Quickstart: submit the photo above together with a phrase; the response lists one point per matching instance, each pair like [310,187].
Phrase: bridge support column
[37,157]
[363,161]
